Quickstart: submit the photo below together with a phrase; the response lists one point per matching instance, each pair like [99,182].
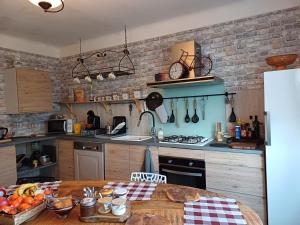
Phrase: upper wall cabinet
[27,91]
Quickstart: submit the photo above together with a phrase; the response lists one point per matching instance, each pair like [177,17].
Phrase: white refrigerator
[282,121]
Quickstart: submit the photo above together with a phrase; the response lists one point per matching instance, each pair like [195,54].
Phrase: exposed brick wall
[238,49]
[24,124]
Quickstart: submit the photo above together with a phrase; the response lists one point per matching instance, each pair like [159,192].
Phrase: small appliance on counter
[118,120]
[58,124]
[93,121]
[3,132]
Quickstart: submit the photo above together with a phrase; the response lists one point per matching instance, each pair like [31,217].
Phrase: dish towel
[213,211]
[149,166]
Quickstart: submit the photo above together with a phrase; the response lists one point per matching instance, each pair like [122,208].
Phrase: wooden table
[159,205]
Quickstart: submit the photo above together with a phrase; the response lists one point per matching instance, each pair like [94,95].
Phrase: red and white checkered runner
[213,211]
[136,191]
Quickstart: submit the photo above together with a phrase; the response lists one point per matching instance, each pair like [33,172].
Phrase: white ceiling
[91,18]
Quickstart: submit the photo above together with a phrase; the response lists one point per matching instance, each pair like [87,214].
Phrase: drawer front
[235,179]
[234,159]
[179,152]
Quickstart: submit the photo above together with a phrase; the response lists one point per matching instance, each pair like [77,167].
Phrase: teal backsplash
[215,110]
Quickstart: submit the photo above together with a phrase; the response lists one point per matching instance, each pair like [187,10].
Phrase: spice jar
[104,205]
[118,206]
[87,207]
[120,193]
[106,192]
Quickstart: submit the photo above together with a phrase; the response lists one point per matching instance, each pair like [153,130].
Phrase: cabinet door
[66,159]
[34,91]
[88,165]
[117,162]
[180,152]
[8,167]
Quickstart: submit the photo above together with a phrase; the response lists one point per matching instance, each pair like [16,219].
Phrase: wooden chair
[148,177]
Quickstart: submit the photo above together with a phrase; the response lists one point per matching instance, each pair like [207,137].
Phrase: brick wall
[25,124]
[238,49]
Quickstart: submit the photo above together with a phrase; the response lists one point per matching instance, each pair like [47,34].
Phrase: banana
[26,189]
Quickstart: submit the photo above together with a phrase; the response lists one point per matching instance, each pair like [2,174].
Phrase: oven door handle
[182,173]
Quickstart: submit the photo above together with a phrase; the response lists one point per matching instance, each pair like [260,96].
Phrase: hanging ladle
[187,118]
[195,118]
[172,117]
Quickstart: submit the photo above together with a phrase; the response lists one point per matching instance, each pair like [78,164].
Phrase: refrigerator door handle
[267,129]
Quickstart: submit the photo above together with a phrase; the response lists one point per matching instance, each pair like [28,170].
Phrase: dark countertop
[106,139]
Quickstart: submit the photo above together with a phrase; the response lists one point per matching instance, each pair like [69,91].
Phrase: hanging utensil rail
[226,94]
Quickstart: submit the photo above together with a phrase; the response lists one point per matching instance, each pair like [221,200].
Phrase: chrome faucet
[153,131]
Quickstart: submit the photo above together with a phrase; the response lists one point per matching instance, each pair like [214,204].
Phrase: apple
[3,201]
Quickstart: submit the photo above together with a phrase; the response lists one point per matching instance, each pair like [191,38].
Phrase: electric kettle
[3,132]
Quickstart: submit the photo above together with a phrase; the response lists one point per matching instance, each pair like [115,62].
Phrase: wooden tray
[22,216]
[109,217]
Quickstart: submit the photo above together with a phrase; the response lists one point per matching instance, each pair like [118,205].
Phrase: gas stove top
[186,140]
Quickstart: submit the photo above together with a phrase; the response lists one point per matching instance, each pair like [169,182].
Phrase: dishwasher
[89,161]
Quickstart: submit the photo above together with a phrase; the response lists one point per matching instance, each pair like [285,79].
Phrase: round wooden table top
[158,205]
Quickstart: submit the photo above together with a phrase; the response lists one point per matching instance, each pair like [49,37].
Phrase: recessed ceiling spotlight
[46,5]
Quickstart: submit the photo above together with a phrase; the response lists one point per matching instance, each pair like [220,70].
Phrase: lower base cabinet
[8,167]
[234,175]
[121,160]
[66,168]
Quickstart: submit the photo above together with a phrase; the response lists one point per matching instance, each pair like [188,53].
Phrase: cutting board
[243,145]
[147,219]
[182,194]
[109,217]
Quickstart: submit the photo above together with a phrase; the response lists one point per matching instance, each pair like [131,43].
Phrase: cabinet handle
[182,173]
[267,129]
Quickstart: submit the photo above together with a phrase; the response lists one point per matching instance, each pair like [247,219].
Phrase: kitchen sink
[131,138]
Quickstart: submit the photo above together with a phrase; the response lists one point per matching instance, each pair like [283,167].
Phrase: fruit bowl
[61,206]
[280,62]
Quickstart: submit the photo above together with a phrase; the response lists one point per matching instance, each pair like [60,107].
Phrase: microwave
[60,126]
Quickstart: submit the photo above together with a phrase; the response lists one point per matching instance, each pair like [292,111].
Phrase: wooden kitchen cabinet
[121,160]
[8,167]
[66,167]
[117,162]
[27,91]
[239,176]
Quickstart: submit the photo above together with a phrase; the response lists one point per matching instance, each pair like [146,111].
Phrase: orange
[36,202]
[24,206]
[19,199]
[28,200]
[14,204]
[39,197]
[48,191]
[13,197]
[5,209]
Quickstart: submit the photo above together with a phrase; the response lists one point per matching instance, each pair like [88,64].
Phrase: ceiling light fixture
[46,5]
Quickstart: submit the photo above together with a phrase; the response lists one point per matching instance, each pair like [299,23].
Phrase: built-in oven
[183,171]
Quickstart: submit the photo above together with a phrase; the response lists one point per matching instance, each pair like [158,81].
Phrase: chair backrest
[148,177]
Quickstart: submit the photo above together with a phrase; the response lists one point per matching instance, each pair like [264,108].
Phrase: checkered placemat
[136,191]
[213,211]
[53,185]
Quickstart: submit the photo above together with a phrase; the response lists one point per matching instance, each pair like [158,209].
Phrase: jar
[87,207]
[120,193]
[106,192]
[104,205]
[118,206]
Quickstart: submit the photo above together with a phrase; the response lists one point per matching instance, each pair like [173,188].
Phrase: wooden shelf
[206,80]
[101,102]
